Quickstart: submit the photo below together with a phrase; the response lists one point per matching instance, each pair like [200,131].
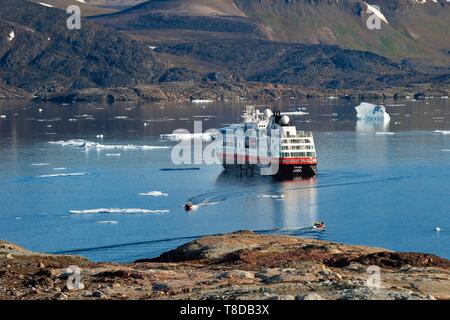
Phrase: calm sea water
[379,185]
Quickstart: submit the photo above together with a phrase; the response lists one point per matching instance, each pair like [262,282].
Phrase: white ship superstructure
[245,148]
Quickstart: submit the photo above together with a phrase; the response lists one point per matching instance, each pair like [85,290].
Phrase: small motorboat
[188,206]
[319,225]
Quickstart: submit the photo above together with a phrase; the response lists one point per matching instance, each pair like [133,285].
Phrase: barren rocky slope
[416,30]
[39,55]
[41,59]
[241,265]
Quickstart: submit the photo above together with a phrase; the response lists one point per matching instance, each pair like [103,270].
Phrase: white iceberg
[369,111]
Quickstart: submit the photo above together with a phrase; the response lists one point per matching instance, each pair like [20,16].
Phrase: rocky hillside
[181,21]
[39,54]
[214,48]
[241,265]
[309,66]
[415,30]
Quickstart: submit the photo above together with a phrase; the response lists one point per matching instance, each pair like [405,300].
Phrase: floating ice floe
[3,116]
[202,101]
[369,111]
[59,169]
[437,229]
[384,133]
[271,196]
[43,164]
[84,144]
[118,211]
[58,175]
[442,132]
[108,222]
[177,137]
[153,194]
[113,155]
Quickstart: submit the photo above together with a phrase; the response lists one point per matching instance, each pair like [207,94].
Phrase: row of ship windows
[297,154]
[296,141]
[285,141]
[297,148]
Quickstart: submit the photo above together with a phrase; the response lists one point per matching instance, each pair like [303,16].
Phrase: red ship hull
[287,167]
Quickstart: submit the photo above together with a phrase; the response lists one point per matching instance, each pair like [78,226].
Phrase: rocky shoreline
[241,265]
[220,91]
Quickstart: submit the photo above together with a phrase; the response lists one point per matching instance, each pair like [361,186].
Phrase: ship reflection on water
[292,202]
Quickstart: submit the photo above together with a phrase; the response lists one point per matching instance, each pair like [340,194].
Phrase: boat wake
[216,197]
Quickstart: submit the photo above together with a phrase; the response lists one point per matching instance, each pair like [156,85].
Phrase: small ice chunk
[202,101]
[369,111]
[108,222]
[442,132]
[385,133]
[179,137]
[437,229]
[153,194]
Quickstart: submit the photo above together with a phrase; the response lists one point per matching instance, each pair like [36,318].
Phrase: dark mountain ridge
[322,66]
[43,55]
[223,51]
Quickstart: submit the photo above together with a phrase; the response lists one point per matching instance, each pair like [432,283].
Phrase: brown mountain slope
[415,31]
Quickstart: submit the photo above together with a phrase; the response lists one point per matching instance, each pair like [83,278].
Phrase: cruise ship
[267,143]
